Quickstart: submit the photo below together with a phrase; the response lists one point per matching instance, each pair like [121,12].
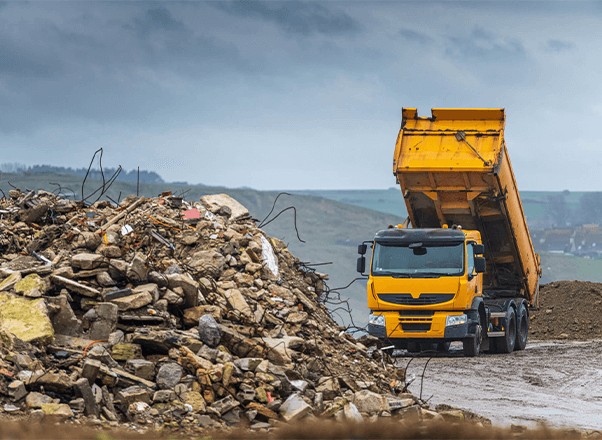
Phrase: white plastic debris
[125,230]
[269,259]
[209,215]
[139,408]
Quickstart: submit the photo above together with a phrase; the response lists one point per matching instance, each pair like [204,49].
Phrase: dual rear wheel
[517,330]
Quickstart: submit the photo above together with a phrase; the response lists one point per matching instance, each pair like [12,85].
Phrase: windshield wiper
[427,275]
[388,273]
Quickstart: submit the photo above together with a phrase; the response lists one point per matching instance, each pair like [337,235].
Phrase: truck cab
[422,286]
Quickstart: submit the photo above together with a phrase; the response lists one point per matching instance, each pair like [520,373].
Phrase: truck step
[498,314]
[496,334]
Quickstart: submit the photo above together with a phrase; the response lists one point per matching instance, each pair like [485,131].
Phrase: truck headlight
[455,320]
[378,320]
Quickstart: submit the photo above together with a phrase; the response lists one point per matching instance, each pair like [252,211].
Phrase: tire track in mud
[555,382]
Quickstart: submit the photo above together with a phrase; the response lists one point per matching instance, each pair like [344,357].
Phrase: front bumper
[421,329]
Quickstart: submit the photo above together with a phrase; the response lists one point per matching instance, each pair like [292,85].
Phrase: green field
[556,267]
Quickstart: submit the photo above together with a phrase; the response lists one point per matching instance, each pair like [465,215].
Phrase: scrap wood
[121,215]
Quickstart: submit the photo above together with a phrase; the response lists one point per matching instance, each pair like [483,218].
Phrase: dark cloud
[167,42]
[19,60]
[559,45]
[481,45]
[295,17]
[415,37]
[157,20]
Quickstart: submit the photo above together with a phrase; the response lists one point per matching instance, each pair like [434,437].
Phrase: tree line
[588,210]
[94,174]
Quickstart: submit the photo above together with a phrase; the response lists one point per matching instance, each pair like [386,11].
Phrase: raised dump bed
[453,169]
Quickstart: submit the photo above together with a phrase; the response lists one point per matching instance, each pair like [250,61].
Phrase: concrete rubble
[165,312]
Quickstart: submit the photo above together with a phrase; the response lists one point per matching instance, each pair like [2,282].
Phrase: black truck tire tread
[472,346]
[522,330]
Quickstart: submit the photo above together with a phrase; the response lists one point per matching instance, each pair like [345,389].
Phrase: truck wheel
[413,347]
[472,346]
[505,344]
[522,330]
[443,347]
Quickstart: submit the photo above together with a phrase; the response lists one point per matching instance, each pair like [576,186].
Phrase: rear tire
[472,346]
[505,344]
[522,330]
[428,346]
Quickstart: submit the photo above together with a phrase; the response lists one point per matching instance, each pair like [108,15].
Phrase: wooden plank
[121,215]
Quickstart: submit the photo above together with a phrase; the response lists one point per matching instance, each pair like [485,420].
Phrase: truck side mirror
[361,264]
[478,249]
[361,249]
[479,264]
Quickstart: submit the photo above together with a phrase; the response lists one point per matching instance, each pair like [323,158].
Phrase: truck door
[470,272]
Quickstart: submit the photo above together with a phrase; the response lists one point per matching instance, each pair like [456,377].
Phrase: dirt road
[557,382]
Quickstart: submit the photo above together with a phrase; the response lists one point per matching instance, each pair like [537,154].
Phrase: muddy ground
[318,429]
[554,382]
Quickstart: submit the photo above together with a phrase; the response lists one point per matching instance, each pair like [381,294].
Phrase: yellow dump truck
[466,269]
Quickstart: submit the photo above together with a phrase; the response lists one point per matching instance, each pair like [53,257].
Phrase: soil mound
[568,310]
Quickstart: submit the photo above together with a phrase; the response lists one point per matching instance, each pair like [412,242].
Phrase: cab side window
[469,259]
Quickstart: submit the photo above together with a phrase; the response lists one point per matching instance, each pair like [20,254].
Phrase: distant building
[584,240]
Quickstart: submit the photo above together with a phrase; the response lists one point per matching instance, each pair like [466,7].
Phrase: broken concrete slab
[32,286]
[102,319]
[87,261]
[238,302]
[134,301]
[189,286]
[214,203]
[84,390]
[294,408]
[64,320]
[26,319]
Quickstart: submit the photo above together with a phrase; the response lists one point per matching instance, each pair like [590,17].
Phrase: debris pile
[163,312]
[568,310]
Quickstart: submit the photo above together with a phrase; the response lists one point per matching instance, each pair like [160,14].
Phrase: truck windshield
[426,260]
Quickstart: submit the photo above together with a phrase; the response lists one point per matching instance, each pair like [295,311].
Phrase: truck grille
[415,326]
[424,299]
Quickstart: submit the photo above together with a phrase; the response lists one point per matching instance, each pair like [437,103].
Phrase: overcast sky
[296,95]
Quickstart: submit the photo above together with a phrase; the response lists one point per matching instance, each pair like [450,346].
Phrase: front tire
[413,347]
[443,347]
[472,346]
